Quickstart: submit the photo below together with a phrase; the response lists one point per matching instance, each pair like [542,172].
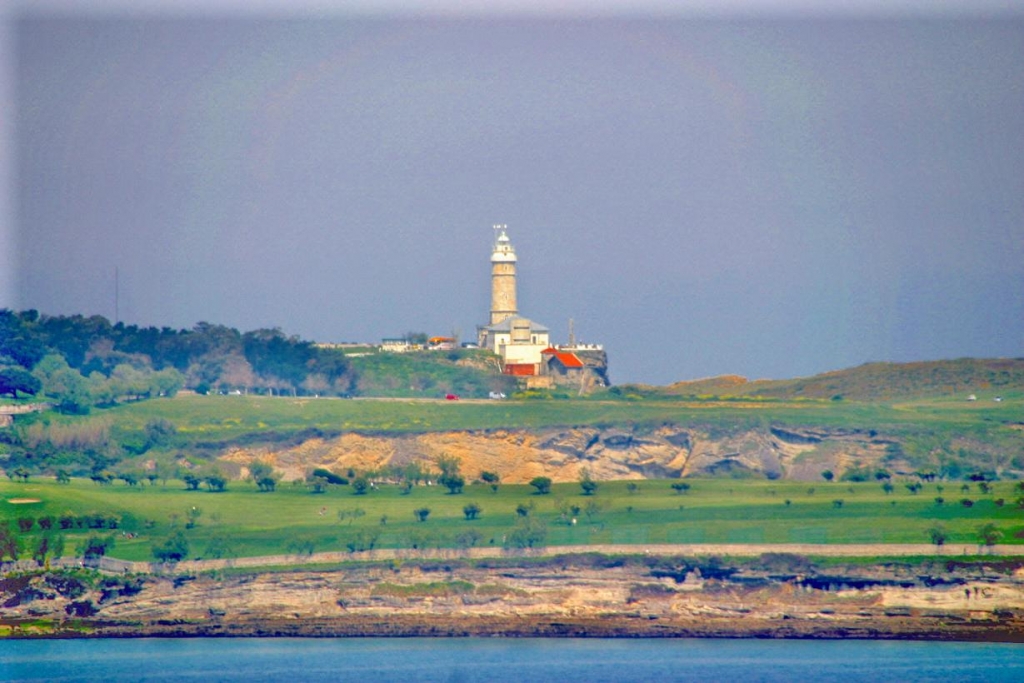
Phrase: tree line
[77,362]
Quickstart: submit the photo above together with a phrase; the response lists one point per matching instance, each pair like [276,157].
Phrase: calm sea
[525,659]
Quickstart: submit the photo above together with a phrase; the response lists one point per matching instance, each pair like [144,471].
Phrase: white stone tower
[503,277]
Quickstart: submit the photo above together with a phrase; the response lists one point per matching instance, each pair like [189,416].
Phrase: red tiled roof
[569,360]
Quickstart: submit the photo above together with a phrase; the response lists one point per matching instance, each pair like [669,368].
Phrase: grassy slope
[985,377]
[714,511]
[225,417]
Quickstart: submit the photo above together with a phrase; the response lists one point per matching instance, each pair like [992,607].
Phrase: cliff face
[778,596]
[609,453]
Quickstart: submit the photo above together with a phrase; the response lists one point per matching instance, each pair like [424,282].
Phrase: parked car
[496,395]
[451,397]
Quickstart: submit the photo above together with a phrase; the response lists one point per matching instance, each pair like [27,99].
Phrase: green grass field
[217,419]
[245,522]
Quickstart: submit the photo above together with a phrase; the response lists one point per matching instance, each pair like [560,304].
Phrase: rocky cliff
[593,595]
[668,451]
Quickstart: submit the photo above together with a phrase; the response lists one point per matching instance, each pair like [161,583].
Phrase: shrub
[174,549]
[542,484]
[587,485]
[95,547]
[491,478]
[857,474]
[453,482]
[330,477]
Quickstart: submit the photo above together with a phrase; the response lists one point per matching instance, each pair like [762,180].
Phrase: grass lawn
[217,420]
[245,522]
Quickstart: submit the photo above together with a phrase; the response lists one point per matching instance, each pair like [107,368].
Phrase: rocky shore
[775,595]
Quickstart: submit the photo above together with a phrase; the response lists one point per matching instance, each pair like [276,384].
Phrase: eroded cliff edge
[620,452]
[775,595]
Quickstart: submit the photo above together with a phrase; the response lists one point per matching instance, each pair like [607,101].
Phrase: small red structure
[520,369]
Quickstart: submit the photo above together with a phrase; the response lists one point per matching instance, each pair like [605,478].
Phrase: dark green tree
[10,544]
[472,511]
[542,484]
[587,485]
[47,546]
[95,547]
[216,482]
[263,474]
[454,483]
[451,476]
[492,479]
[173,549]
[938,535]
[13,380]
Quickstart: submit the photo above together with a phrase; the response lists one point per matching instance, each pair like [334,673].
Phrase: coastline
[774,595]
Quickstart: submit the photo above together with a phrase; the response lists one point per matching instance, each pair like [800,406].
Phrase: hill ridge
[876,380]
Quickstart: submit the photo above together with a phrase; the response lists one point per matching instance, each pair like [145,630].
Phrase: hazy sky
[762,191]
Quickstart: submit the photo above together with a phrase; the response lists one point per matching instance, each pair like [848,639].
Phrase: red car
[451,397]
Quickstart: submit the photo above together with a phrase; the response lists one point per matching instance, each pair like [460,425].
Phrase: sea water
[500,659]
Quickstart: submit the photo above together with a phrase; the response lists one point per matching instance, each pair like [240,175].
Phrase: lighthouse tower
[503,278]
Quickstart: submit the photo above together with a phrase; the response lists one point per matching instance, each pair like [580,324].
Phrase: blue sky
[763,191]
